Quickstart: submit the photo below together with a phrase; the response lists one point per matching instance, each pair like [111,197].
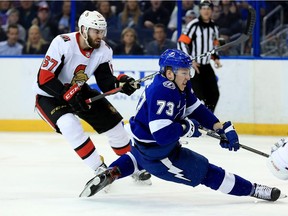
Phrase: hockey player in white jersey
[61,90]
[278,160]
[168,110]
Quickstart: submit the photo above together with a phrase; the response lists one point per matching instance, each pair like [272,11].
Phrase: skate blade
[107,188]
[282,196]
[142,182]
[87,192]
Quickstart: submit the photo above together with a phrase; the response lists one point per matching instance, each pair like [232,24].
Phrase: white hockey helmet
[91,19]
[278,162]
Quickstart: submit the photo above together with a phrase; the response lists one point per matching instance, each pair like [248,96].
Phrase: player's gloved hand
[280,143]
[229,137]
[75,99]
[129,85]
[190,128]
[88,92]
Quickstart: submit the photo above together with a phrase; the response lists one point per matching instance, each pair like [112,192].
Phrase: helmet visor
[185,72]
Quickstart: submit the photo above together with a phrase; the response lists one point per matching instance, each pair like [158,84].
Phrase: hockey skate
[142,177]
[101,169]
[266,193]
[100,181]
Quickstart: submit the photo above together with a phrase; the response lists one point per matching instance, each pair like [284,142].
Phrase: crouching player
[168,110]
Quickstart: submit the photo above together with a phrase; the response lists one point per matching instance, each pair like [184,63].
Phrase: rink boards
[253,93]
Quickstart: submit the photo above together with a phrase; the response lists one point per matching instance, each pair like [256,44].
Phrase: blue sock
[218,179]
[125,165]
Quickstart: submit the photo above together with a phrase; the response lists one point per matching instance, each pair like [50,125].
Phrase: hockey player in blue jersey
[168,110]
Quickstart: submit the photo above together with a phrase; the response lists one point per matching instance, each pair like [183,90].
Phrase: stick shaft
[98,97]
[119,89]
[215,135]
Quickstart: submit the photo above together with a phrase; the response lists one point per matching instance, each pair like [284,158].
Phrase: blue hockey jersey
[160,110]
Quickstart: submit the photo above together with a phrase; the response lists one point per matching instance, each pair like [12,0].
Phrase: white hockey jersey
[69,63]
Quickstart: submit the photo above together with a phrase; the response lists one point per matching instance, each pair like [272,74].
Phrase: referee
[201,36]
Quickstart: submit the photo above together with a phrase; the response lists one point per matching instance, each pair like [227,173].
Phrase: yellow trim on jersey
[41,126]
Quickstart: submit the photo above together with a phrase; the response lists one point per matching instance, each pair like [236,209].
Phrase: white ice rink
[40,175]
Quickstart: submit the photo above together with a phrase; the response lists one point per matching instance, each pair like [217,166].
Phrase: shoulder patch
[65,37]
[169,84]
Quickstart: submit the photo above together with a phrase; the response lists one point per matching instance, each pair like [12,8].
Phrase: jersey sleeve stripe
[193,107]
[159,124]
[45,76]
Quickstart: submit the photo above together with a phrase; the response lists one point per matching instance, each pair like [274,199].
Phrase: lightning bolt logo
[174,170]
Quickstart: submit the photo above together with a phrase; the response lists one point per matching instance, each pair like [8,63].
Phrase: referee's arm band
[184,38]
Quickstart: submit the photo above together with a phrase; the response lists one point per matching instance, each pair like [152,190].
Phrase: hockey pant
[102,116]
[187,167]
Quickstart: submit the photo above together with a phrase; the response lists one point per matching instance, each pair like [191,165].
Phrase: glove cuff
[186,126]
[227,126]
[122,78]
[71,92]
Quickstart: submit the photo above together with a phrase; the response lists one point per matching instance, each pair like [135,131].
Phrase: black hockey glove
[88,92]
[129,86]
[229,137]
[75,99]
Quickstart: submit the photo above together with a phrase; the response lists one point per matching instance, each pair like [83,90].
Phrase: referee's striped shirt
[199,38]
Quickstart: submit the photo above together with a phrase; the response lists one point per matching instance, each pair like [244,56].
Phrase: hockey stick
[215,135]
[243,37]
[119,89]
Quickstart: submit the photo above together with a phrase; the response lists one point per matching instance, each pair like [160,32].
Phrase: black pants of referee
[205,86]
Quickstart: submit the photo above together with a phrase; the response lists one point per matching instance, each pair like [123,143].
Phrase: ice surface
[40,175]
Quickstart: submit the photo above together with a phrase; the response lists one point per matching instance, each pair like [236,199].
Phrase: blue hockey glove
[229,137]
[128,84]
[190,128]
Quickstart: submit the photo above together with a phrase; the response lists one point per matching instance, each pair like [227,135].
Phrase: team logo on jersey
[169,84]
[65,38]
[79,75]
